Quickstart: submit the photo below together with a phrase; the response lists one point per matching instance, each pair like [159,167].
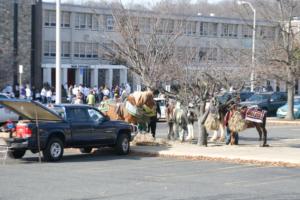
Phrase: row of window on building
[94,50]
[106,22]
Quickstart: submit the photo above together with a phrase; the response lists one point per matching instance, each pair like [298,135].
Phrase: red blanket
[255,115]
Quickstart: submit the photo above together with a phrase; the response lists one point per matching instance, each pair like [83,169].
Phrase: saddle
[255,115]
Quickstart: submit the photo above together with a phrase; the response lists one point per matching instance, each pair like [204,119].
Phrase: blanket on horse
[255,115]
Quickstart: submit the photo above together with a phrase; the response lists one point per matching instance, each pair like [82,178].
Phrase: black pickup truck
[50,130]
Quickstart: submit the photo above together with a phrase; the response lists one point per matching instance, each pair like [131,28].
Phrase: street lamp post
[253,42]
[58,56]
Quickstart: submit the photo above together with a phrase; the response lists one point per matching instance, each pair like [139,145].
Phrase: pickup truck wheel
[17,153]
[86,150]
[54,150]
[123,145]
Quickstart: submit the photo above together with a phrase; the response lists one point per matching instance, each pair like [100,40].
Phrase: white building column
[282,86]
[94,77]
[47,75]
[79,76]
[109,77]
[273,84]
[64,78]
[123,76]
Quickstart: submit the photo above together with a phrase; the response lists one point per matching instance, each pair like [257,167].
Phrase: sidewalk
[276,121]
[282,152]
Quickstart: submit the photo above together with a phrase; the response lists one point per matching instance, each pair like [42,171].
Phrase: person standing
[43,95]
[49,95]
[28,92]
[153,120]
[190,126]
[170,120]
[91,100]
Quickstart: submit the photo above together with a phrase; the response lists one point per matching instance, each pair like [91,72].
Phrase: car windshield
[297,101]
[161,102]
[259,97]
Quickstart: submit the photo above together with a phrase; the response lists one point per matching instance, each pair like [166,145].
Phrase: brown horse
[245,123]
[130,110]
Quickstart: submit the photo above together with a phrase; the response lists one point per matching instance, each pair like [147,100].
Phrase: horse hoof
[264,145]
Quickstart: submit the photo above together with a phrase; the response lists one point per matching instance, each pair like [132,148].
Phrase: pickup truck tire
[17,153]
[86,150]
[123,145]
[54,150]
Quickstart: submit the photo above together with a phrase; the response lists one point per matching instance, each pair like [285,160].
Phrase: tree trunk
[290,94]
[202,134]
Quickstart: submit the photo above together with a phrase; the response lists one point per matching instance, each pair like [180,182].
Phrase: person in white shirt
[105,91]
[49,96]
[28,92]
[43,95]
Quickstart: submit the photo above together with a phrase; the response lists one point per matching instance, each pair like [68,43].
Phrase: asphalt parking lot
[102,175]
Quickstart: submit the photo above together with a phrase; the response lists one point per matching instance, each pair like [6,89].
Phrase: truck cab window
[95,115]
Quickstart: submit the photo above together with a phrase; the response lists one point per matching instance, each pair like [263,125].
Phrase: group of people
[93,95]
[180,122]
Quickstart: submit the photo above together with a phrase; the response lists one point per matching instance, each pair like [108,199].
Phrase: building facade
[86,29]
[20,42]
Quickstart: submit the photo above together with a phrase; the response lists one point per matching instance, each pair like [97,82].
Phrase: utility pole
[58,56]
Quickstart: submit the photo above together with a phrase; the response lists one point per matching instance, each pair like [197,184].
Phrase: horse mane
[142,98]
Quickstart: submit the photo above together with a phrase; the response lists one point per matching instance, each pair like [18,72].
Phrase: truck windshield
[60,111]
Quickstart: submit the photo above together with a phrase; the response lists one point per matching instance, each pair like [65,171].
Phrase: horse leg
[222,130]
[263,127]
[232,138]
[214,137]
[259,131]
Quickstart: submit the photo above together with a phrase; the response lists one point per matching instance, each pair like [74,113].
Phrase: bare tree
[282,56]
[144,44]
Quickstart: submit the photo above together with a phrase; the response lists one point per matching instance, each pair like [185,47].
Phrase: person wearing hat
[229,114]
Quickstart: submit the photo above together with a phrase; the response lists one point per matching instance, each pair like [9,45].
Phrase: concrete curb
[283,122]
[216,159]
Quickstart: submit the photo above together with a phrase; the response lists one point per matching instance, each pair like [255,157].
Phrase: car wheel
[86,150]
[54,150]
[123,145]
[17,154]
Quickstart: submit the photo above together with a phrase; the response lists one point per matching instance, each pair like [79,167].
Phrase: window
[49,18]
[267,32]
[80,20]
[76,49]
[212,54]
[95,115]
[82,50]
[46,48]
[65,49]
[247,31]
[109,23]
[145,24]
[86,50]
[89,50]
[208,29]
[52,49]
[229,30]
[95,22]
[65,19]
[190,28]
[89,19]
[95,50]
[78,115]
